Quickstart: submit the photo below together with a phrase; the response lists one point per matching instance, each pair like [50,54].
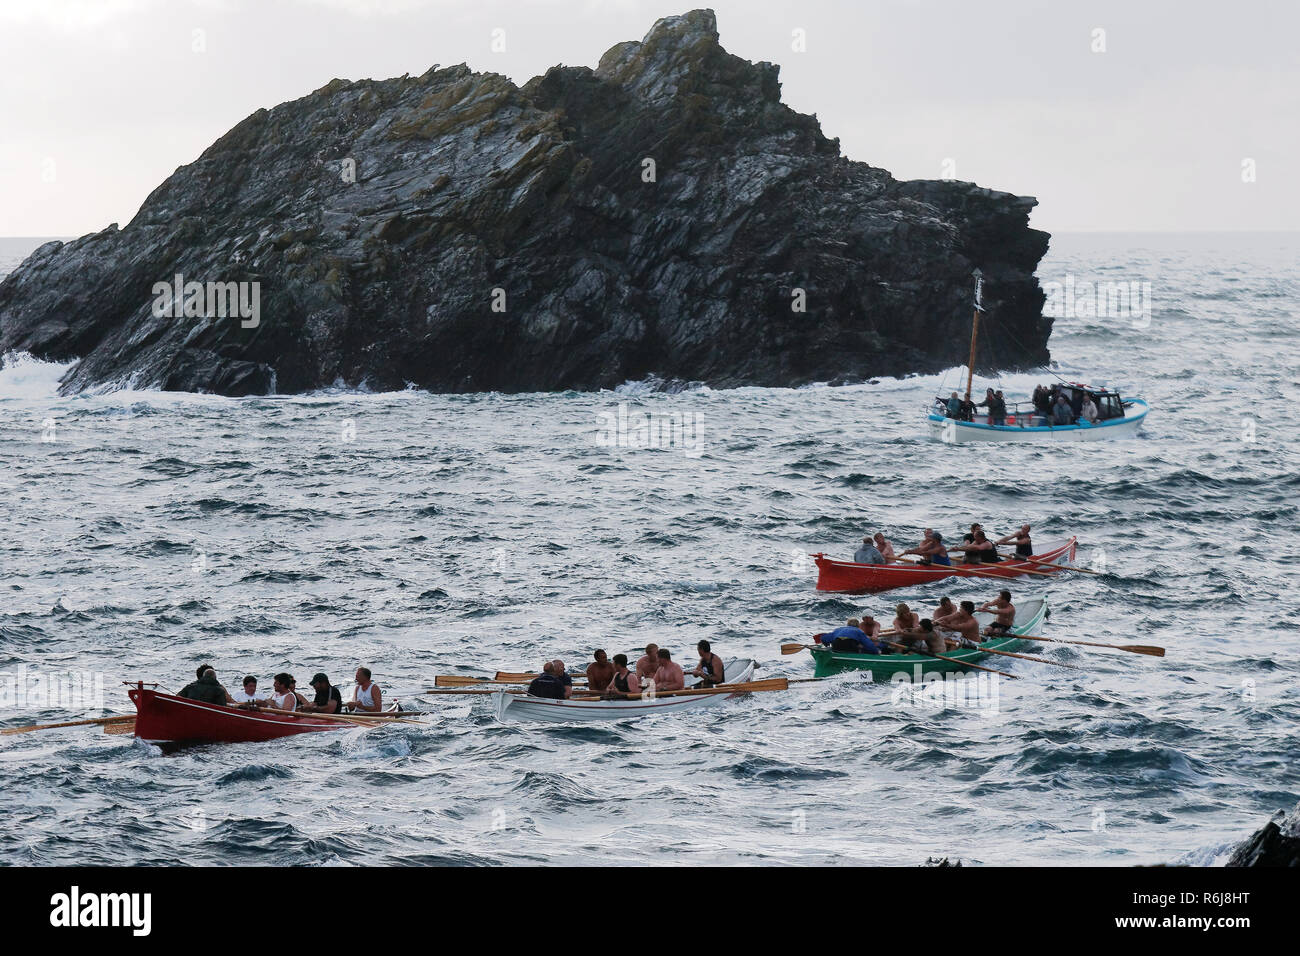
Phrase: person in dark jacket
[206,689]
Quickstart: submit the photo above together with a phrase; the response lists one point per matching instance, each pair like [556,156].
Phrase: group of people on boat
[616,680]
[1052,404]
[963,409]
[948,627]
[976,548]
[367,696]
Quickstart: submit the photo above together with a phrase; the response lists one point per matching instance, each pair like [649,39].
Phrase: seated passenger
[868,553]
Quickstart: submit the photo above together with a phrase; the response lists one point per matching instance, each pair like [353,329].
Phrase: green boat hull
[883,667]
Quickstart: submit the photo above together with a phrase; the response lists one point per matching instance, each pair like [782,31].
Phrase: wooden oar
[68,723]
[978,667]
[469,691]
[1149,649]
[770,683]
[1063,567]
[517,678]
[455,680]
[1024,657]
[360,719]
[122,727]
[971,569]
[796,648]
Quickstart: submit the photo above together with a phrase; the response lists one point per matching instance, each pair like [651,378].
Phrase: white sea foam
[25,377]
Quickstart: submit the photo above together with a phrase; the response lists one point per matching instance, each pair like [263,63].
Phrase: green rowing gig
[1030,614]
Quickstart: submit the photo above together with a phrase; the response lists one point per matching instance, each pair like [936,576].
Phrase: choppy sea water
[426,534]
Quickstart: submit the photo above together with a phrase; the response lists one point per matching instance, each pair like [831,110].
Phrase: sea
[420,535]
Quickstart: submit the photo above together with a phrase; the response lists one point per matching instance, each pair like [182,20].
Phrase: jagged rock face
[1277,843]
[471,195]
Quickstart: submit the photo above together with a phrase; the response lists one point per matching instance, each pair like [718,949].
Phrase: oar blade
[792,648]
[456,680]
[1149,649]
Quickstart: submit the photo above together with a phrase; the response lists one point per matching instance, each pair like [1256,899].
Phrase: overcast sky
[100,100]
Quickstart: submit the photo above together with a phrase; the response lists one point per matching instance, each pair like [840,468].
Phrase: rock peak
[654,217]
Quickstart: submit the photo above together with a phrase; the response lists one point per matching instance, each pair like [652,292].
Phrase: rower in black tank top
[620,683]
[1025,548]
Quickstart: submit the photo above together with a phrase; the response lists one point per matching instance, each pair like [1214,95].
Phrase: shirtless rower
[1021,539]
[931,549]
[870,627]
[885,547]
[600,672]
[963,623]
[924,639]
[945,609]
[1006,614]
[647,665]
[710,669]
[670,675]
[905,619]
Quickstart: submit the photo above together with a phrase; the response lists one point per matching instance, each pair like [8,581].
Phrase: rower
[945,609]
[923,639]
[366,695]
[1006,614]
[206,689]
[710,669]
[549,684]
[282,697]
[625,683]
[669,676]
[931,549]
[905,619]
[600,672]
[868,553]
[1021,539]
[979,548]
[885,547]
[963,623]
[302,701]
[870,627]
[328,699]
[647,665]
[248,695]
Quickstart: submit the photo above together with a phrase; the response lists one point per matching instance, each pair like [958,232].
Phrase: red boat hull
[164,718]
[847,577]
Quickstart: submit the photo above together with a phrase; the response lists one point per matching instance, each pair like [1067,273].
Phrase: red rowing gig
[848,577]
[165,718]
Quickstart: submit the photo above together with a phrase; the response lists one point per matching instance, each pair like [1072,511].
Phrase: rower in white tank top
[368,698]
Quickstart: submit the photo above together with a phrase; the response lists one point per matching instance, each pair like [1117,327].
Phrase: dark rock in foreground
[1276,844]
[472,195]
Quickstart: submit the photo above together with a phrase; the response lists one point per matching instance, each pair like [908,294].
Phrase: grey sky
[100,100]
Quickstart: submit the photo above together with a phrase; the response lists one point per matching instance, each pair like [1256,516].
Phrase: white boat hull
[522,707]
[951,431]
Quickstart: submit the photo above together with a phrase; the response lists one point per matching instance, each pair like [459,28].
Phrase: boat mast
[974,330]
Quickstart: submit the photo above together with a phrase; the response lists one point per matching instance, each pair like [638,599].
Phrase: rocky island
[661,215]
